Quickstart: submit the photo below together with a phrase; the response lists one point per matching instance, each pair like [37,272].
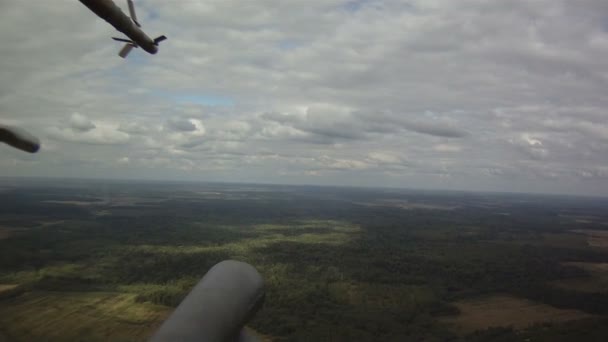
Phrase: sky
[431,94]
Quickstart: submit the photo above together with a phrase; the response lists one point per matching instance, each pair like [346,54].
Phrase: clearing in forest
[6,232]
[505,311]
[595,268]
[597,282]
[565,240]
[595,238]
[7,287]
[67,316]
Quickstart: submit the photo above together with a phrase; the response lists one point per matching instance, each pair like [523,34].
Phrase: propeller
[129,44]
[124,40]
[159,39]
[132,12]
[124,52]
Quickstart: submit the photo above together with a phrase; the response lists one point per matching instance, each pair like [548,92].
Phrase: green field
[73,316]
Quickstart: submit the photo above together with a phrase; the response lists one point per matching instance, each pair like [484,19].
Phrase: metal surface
[19,138]
[218,307]
[108,11]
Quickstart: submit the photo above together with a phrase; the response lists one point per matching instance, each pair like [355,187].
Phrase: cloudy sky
[443,94]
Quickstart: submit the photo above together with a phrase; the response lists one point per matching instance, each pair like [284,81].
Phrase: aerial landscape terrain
[97,260]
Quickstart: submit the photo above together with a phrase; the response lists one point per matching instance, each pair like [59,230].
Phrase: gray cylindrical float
[218,307]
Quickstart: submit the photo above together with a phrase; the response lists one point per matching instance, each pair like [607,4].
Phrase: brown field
[66,316]
[50,223]
[587,285]
[595,238]
[258,335]
[596,268]
[7,287]
[504,311]
[6,232]
[580,218]
[36,316]
[597,283]
[567,240]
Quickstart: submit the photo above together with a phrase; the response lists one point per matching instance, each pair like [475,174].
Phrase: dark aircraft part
[108,11]
[218,307]
[123,40]
[159,39]
[19,138]
[124,52]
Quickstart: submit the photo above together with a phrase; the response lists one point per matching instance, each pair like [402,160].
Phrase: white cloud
[384,157]
[81,123]
[123,160]
[104,134]
[430,92]
[530,141]
[180,125]
[447,148]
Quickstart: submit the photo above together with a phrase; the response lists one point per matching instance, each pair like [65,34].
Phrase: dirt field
[588,285]
[595,238]
[596,268]
[259,336]
[597,283]
[7,287]
[566,240]
[6,232]
[37,316]
[65,316]
[497,311]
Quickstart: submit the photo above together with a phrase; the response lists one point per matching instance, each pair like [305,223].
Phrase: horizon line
[360,187]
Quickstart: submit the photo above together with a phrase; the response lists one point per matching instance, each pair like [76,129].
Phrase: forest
[338,263]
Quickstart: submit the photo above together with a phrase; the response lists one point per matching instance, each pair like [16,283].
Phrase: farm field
[61,316]
[508,311]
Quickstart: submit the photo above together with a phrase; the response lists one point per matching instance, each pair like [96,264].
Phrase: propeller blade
[123,40]
[159,39]
[132,12]
[124,52]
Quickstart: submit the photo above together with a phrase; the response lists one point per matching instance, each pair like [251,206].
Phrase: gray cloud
[435,130]
[134,128]
[182,125]
[469,94]
[342,124]
[101,136]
